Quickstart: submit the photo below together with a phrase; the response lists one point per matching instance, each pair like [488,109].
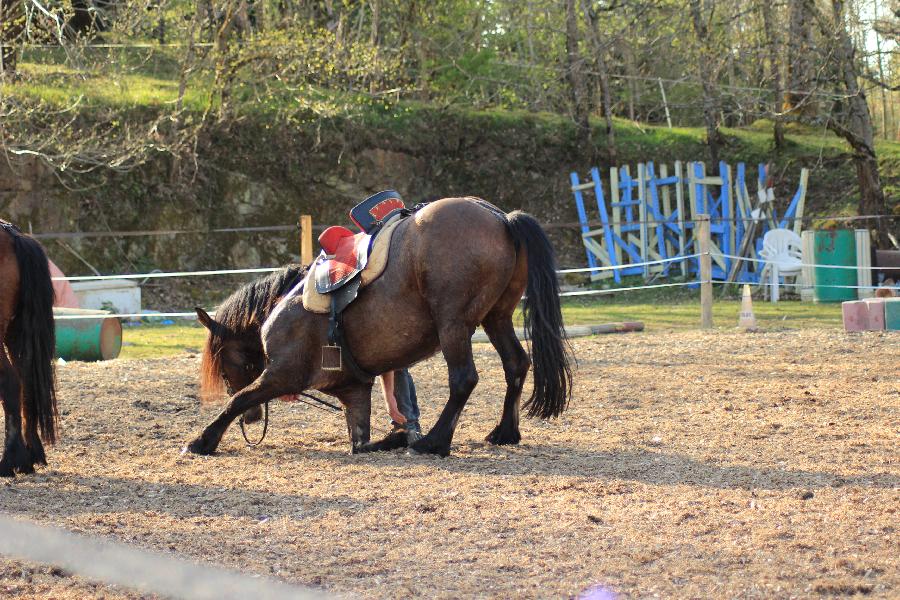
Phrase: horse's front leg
[357,401]
[263,389]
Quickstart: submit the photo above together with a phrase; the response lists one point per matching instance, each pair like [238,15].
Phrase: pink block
[856,315]
[876,313]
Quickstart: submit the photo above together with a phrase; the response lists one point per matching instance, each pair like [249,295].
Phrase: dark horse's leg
[16,457]
[456,345]
[261,390]
[499,329]
[357,401]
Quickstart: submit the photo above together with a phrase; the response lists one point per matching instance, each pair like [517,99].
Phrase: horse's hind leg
[499,328]
[16,457]
[456,345]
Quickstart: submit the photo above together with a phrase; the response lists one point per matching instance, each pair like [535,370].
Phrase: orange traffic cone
[747,319]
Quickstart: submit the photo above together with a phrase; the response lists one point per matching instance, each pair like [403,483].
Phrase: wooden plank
[582,213]
[306,236]
[666,204]
[609,243]
[582,186]
[679,206]
[706,297]
[642,212]
[597,250]
[801,205]
[616,212]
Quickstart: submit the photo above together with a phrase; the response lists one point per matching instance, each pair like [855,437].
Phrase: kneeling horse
[453,265]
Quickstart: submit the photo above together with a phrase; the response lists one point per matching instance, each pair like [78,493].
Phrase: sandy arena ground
[693,464]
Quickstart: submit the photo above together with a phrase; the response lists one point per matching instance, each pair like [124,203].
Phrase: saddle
[340,270]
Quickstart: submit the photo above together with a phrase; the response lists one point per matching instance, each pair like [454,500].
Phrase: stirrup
[331,358]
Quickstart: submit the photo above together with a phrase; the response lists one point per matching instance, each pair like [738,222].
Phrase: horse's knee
[463,380]
[516,369]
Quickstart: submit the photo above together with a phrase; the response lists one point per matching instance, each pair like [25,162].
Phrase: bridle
[321,404]
[230,389]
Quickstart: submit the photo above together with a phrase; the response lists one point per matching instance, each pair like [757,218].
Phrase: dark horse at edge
[27,344]
[454,265]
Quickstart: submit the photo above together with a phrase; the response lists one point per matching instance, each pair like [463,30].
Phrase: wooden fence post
[306,244]
[706,295]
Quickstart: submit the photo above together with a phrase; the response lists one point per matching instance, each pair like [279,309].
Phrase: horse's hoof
[501,436]
[6,470]
[199,446]
[429,446]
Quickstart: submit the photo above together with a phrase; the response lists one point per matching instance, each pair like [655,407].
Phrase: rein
[332,408]
[265,428]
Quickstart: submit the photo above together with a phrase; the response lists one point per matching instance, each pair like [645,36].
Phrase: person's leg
[407,402]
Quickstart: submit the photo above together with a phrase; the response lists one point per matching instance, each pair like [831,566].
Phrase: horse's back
[464,255]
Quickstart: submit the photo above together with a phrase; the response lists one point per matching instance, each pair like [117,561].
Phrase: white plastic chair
[782,251]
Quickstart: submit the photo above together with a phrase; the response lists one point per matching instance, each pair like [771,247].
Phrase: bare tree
[600,50]
[575,74]
[12,26]
[853,121]
[701,15]
[773,44]
[801,77]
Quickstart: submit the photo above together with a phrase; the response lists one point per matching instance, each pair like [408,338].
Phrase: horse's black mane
[250,305]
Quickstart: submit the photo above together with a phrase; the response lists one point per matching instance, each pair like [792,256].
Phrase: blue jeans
[405,392]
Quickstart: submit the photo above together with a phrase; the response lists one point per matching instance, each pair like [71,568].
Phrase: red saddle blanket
[344,254]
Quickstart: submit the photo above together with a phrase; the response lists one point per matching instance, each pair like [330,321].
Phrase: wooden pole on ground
[306,244]
[706,297]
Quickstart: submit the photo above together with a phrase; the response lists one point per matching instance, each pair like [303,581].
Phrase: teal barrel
[892,314]
[835,248]
[87,339]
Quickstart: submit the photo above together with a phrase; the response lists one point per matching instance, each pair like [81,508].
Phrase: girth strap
[339,301]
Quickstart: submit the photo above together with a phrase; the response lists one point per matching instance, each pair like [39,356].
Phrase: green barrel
[87,339]
[835,248]
[892,314]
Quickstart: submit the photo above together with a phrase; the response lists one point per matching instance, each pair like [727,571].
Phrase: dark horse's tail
[31,339]
[551,357]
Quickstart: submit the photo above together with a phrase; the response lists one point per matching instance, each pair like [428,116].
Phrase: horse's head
[231,359]
[233,356]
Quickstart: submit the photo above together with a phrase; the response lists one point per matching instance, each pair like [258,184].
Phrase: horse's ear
[206,320]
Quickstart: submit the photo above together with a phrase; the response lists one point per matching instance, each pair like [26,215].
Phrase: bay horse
[454,265]
[27,344]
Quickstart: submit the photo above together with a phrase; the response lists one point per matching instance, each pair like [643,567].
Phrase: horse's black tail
[551,357]
[32,339]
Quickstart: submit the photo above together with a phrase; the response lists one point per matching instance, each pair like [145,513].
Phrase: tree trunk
[85,21]
[857,129]
[707,72]
[800,70]
[576,79]
[773,42]
[600,65]
[12,25]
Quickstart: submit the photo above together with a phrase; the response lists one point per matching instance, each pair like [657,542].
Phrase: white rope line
[115,563]
[628,265]
[272,269]
[817,266]
[170,274]
[628,289]
[560,271]
[787,285]
[125,316]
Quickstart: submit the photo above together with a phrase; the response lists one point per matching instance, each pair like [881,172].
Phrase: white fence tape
[115,563]
[561,271]
[817,266]
[164,275]
[626,266]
